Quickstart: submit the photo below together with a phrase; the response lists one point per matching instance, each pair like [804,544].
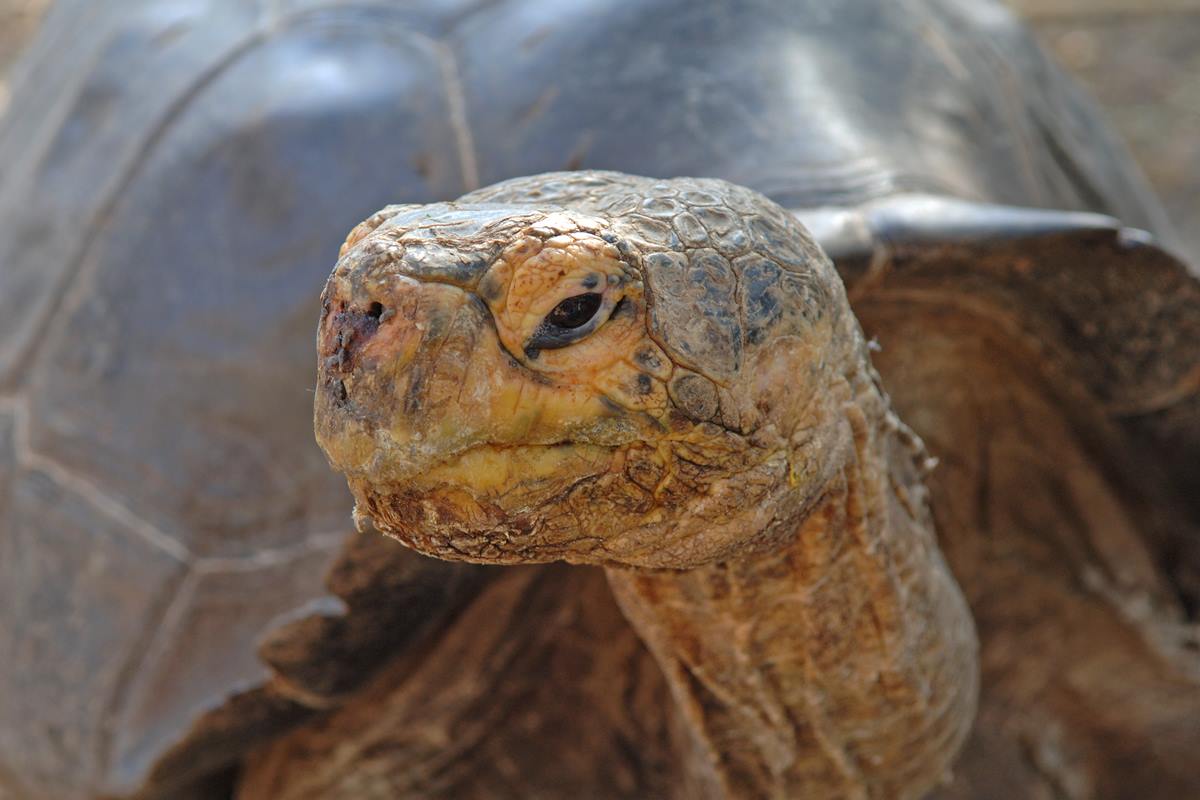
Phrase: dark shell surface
[176,179]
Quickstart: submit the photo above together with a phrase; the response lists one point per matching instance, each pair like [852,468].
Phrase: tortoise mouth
[495,471]
[490,503]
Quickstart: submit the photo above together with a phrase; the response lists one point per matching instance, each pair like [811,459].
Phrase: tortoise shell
[178,575]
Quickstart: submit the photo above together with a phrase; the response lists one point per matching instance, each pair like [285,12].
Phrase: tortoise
[185,607]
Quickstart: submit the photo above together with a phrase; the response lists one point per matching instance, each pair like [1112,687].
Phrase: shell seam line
[166,607]
[456,99]
[87,490]
[327,540]
[68,288]
[84,488]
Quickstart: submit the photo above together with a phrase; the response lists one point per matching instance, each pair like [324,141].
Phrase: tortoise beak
[413,374]
[393,362]
[436,428]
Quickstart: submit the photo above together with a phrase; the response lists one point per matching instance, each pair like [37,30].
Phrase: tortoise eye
[574,312]
[568,322]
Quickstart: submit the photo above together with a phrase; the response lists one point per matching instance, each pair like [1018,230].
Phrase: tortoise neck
[842,664]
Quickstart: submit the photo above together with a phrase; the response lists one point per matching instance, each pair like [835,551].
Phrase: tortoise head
[649,376]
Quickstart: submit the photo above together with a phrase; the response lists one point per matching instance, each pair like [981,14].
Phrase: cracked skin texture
[713,435]
[768,613]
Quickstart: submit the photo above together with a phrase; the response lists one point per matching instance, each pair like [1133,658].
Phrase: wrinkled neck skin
[840,664]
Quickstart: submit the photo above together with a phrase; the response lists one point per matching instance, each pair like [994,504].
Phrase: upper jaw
[494,505]
[505,475]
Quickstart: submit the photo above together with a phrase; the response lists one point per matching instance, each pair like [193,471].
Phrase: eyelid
[548,338]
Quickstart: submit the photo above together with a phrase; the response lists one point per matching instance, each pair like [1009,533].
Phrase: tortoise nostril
[375,310]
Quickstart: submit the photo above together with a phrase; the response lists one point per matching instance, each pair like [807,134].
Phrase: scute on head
[527,375]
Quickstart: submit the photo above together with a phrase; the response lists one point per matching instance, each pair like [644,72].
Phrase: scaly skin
[841,664]
[714,435]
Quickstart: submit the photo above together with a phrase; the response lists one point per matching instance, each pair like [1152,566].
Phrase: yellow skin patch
[533,275]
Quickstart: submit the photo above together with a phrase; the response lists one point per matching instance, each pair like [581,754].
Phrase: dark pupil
[574,311]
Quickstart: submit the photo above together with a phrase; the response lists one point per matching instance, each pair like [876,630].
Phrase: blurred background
[1139,58]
